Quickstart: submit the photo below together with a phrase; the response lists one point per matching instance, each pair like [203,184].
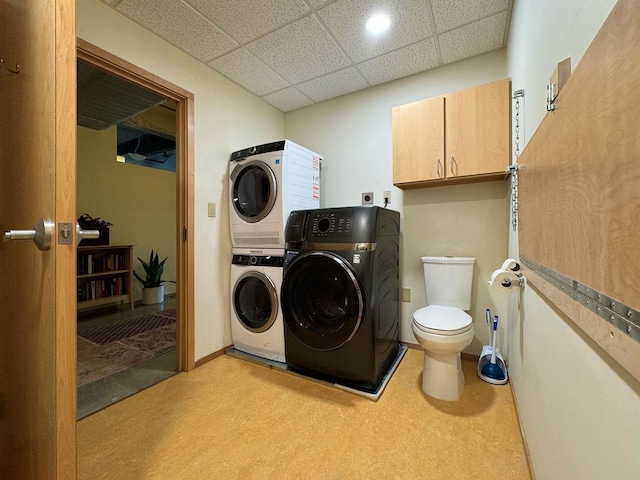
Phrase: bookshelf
[104,275]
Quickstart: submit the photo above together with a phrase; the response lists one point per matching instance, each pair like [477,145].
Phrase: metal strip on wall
[625,319]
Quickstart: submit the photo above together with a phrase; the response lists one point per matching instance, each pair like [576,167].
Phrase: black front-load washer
[340,293]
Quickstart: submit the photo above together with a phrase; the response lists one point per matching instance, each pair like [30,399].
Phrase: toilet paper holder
[508,275]
[519,280]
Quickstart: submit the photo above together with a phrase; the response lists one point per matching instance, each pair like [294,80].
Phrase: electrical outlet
[387,196]
[211,210]
[367,198]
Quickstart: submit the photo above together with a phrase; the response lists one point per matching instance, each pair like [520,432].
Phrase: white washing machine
[256,318]
[268,182]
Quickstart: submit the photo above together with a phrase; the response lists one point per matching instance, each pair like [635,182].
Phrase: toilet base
[442,377]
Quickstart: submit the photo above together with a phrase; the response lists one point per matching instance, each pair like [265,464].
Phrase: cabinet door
[418,141]
[478,125]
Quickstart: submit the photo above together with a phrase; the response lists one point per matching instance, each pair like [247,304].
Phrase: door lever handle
[41,234]
[82,234]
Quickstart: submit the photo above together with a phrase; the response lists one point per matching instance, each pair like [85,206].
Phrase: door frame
[118,67]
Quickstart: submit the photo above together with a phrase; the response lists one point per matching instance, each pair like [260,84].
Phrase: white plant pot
[152,296]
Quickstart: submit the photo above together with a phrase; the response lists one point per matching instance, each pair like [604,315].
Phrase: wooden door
[478,130]
[418,141]
[37,291]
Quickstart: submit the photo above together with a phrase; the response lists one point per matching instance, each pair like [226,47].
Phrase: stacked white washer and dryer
[266,183]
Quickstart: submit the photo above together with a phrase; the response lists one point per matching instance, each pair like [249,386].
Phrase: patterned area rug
[144,323]
[109,349]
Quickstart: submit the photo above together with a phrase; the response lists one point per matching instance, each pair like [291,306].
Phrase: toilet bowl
[443,328]
[443,332]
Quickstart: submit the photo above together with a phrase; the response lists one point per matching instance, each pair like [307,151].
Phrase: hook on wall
[8,70]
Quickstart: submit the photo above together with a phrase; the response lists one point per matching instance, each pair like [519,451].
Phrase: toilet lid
[442,320]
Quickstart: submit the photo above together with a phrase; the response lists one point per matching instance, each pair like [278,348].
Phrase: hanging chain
[514,169]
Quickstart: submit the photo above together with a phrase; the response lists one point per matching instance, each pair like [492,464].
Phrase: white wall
[227,118]
[579,409]
[353,133]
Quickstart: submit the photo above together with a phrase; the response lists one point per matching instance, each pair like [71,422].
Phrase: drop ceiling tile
[400,63]
[245,20]
[473,39]
[300,51]
[450,14]
[180,25]
[346,19]
[333,85]
[288,99]
[246,70]
[289,48]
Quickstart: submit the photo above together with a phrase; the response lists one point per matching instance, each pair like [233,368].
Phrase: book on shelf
[89,263]
[94,289]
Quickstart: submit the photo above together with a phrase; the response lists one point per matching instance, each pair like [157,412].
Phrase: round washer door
[255,301]
[322,301]
[253,190]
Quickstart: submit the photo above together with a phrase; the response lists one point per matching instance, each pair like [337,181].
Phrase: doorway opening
[135,163]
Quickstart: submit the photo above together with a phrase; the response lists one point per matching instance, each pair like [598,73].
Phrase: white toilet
[442,327]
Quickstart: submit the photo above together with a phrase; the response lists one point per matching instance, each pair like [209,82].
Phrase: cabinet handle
[438,166]
[453,161]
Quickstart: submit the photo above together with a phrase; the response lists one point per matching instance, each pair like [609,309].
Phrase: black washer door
[322,300]
[253,191]
[255,301]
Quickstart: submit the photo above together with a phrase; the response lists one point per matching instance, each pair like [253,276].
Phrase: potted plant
[152,283]
[87,222]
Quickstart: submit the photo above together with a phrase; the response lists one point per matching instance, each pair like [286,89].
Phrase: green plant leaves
[154,269]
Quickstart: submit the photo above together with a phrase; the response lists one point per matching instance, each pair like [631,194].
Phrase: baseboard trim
[211,356]
[522,434]
[412,346]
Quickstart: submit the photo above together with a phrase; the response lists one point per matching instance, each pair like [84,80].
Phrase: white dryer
[268,182]
[256,318]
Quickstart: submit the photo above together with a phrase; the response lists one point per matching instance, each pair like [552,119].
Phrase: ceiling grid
[293,53]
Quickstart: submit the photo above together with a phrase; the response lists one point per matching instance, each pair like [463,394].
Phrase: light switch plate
[211,208]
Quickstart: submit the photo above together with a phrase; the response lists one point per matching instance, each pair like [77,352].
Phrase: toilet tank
[448,280]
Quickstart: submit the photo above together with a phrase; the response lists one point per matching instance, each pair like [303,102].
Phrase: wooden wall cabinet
[104,275]
[418,141]
[459,137]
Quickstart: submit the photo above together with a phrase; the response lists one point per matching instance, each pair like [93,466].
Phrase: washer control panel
[258,260]
[331,223]
[257,150]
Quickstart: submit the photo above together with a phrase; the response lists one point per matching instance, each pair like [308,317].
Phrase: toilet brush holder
[485,357]
[488,350]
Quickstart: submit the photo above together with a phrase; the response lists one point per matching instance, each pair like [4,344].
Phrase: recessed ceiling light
[378,23]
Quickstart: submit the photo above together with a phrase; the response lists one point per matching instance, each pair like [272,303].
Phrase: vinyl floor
[234,419]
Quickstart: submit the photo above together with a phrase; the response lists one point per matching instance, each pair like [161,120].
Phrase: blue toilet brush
[488,316]
[492,370]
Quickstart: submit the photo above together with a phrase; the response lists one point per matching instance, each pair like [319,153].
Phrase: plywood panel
[624,349]
[580,205]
